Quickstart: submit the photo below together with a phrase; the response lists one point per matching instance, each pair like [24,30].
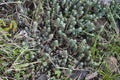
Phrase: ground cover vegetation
[59,40]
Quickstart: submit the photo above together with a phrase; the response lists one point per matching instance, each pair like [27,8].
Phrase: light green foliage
[12,27]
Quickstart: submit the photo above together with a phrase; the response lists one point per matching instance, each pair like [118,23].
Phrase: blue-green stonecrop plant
[67,35]
[80,27]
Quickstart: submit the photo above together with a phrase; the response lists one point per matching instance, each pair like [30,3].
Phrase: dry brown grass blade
[112,64]
[91,76]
